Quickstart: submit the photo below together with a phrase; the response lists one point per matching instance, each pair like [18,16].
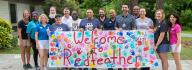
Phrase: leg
[176,57]
[45,56]
[35,52]
[22,54]
[28,54]
[164,60]
[41,54]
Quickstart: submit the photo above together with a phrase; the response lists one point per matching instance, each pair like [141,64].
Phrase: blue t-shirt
[89,24]
[31,28]
[42,32]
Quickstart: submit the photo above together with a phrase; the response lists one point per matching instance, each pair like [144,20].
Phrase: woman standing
[175,39]
[42,40]
[161,41]
[23,41]
[144,23]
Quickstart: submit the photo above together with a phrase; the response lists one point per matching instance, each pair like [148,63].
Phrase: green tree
[60,4]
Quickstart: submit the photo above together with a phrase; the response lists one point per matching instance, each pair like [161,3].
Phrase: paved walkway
[186,35]
[13,62]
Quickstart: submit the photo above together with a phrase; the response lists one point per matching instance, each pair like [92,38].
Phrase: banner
[102,49]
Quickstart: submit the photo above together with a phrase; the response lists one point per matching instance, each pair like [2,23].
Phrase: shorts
[43,44]
[24,42]
[163,48]
[174,49]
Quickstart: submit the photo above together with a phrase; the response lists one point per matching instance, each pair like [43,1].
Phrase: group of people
[34,30]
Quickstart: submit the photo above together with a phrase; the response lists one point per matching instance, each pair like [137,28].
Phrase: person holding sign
[111,23]
[125,21]
[58,26]
[161,40]
[144,23]
[42,40]
[89,23]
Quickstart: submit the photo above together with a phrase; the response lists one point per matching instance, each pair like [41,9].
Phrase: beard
[52,15]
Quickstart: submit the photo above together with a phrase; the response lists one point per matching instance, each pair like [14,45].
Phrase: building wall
[20,8]
[4,10]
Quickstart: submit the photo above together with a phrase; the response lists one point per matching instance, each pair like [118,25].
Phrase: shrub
[5,34]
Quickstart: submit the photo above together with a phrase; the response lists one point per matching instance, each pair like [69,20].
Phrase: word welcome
[102,49]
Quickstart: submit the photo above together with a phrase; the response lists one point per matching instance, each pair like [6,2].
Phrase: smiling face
[172,19]
[125,8]
[136,10]
[112,13]
[43,19]
[52,10]
[66,12]
[159,15]
[101,13]
[26,14]
[89,14]
[142,12]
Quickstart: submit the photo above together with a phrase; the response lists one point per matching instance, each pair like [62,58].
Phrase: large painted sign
[102,49]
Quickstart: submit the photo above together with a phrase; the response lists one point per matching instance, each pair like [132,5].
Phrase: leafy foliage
[5,34]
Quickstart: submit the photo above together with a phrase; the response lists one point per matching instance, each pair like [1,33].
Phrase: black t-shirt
[23,27]
[161,27]
[103,22]
[51,21]
[110,25]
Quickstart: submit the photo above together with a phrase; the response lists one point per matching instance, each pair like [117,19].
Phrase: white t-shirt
[65,20]
[74,26]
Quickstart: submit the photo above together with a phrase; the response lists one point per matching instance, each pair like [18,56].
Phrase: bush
[186,19]
[5,34]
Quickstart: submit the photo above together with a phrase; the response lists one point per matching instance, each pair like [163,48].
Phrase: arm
[36,39]
[19,32]
[160,39]
[178,39]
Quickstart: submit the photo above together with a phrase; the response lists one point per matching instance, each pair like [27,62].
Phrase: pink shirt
[173,33]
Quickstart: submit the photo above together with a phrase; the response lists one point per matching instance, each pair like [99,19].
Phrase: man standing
[66,17]
[125,20]
[136,11]
[89,23]
[102,18]
[52,14]
[74,26]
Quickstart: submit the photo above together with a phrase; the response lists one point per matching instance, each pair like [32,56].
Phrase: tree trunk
[132,3]
[159,4]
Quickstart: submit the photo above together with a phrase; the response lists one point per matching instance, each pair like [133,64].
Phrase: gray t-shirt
[143,24]
[59,27]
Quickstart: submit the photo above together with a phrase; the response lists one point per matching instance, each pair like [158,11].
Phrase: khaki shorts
[24,42]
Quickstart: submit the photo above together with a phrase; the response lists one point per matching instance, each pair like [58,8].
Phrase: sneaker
[25,66]
[29,66]
[37,67]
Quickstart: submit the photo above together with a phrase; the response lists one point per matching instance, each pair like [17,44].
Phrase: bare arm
[178,39]
[160,39]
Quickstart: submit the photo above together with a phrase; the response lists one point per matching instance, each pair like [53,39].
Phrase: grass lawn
[187,32]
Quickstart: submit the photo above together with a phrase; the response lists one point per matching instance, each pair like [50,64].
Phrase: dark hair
[125,4]
[177,19]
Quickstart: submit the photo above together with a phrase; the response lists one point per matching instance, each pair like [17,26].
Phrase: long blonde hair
[162,12]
